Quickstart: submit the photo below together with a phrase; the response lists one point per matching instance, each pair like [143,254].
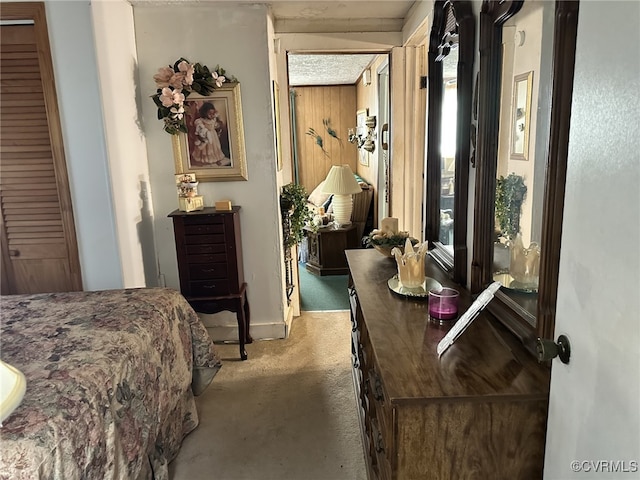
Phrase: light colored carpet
[287,413]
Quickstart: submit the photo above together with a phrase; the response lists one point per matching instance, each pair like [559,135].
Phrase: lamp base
[342,208]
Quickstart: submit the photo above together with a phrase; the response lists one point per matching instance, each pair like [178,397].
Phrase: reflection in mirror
[448,148]
[524,119]
[451,55]
[522,158]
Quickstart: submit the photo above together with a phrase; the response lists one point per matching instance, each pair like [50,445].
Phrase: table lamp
[342,184]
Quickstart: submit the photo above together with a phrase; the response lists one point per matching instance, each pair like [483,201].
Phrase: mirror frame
[456,265]
[492,17]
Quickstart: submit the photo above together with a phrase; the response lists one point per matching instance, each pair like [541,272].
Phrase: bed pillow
[318,197]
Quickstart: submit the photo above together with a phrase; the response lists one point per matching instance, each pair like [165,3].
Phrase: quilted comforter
[109,382]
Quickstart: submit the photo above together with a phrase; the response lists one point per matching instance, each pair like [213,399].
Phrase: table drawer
[207,288]
[204,271]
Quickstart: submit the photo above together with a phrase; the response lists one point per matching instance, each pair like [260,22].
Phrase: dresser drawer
[204,271]
[215,258]
[210,239]
[204,229]
[208,288]
[207,249]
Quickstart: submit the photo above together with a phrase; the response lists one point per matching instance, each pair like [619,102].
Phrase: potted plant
[510,193]
[295,213]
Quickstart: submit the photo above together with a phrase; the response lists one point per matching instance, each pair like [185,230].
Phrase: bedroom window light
[342,184]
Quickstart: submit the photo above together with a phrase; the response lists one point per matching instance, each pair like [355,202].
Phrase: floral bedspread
[109,382]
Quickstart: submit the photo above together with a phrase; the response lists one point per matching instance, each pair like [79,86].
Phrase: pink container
[443,305]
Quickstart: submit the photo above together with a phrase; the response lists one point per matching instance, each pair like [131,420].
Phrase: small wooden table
[326,249]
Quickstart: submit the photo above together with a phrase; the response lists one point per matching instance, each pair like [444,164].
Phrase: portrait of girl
[208,134]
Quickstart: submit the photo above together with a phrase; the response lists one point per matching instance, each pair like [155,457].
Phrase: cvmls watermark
[605,466]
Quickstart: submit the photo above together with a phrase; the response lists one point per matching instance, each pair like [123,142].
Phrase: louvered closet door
[39,251]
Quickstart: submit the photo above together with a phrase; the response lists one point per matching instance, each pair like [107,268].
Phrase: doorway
[328,95]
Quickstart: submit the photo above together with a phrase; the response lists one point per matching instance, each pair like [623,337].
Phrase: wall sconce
[366,77]
[366,140]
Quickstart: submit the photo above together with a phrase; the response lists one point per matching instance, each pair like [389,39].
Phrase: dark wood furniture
[209,253]
[479,411]
[453,27]
[326,249]
[525,322]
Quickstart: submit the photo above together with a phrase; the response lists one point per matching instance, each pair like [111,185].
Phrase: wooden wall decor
[312,106]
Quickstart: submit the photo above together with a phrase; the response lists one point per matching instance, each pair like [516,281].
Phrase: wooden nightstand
[209,254]
[326,249]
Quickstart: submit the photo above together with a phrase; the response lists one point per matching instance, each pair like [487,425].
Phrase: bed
[111,378]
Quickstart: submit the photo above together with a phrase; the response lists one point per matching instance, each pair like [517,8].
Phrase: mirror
[451,55]
[526,81]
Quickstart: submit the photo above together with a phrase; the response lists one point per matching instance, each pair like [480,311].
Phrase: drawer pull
[208,270]
[376,387]
[208,286]
[378,441]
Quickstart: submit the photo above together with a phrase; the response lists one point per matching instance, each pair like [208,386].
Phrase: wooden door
[39,248]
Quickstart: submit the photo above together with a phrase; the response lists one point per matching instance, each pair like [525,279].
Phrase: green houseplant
[510,193]
[295,213]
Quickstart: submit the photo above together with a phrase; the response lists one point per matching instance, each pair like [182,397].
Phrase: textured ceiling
[343,69]
[352,15]
[342,9]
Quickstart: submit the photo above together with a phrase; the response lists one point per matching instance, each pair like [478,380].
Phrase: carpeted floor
[287,413]
[321,293]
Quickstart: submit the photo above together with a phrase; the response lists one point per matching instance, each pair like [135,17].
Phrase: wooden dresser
[208,246]
[478,412]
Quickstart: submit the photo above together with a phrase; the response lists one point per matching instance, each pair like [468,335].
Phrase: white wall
[74,62]
[235,37]
[127,152]
[594,412]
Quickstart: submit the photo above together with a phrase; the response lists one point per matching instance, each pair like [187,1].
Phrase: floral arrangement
[388,239]
[175,83]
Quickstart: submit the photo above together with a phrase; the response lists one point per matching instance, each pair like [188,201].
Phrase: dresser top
[485,361]
[205,211]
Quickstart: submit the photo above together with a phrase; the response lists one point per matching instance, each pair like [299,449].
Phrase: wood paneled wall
[313,105]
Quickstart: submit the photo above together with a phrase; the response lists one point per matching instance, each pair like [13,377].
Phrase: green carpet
[328,292]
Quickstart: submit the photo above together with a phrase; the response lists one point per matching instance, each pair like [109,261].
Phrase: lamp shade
[341,181]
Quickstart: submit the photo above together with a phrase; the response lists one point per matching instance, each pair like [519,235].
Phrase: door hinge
[423,82]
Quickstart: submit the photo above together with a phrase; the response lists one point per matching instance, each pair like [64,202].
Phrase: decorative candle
[443,304]
[389,225]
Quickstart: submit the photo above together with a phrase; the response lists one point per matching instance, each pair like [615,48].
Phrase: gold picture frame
[276,124]
[213,147]
[521,116]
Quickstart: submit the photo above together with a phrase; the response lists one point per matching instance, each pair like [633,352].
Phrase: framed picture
[213,147]
[521,116]
[276,123]
[361,133]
